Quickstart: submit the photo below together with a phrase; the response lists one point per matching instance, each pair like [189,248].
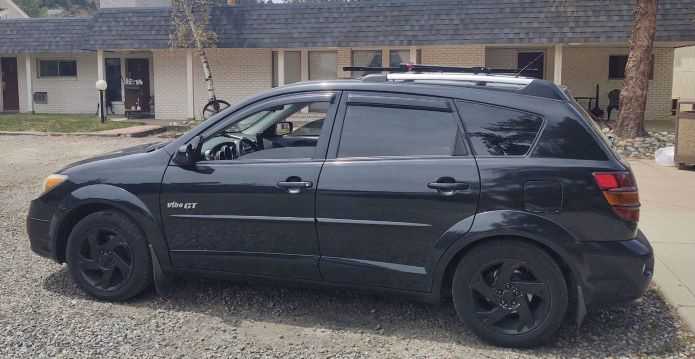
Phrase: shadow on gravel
[644,328]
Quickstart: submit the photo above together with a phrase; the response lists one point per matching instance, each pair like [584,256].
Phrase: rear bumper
[616,272]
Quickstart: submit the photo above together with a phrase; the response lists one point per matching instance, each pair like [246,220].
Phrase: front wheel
[510,293]
[108,257]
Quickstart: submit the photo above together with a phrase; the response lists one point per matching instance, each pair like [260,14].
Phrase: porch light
[101,85]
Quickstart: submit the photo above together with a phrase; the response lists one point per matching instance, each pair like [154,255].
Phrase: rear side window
[374,131]
[498,131]
[567,138]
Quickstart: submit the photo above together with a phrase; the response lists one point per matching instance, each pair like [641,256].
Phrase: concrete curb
[135,131]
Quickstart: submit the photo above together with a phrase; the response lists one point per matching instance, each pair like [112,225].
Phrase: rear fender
[120,199]
[509,223]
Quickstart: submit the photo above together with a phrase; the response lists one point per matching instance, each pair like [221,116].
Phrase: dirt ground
[43,314]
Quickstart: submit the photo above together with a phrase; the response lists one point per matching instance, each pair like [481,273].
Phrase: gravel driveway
[43,314]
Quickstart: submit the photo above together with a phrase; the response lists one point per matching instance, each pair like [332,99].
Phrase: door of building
[137,85]
[10,88]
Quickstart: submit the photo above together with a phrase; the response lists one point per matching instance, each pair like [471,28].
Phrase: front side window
[498,131]
[57,68]
[279,132]
[365,58]
[373,131]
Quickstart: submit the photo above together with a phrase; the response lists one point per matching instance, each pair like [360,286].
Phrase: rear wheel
[510,293]
[108,258]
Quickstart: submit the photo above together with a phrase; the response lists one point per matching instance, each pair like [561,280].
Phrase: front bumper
[616,272]
[39,229]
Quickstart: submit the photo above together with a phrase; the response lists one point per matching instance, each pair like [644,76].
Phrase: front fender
[116,197]
[510,223]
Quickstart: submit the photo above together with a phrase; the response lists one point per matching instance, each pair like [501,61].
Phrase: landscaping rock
[641,147]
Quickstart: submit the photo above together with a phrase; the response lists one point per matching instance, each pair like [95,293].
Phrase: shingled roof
[42,35]
[360,23]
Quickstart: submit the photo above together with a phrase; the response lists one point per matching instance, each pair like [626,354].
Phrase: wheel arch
[510,225]
[94,198]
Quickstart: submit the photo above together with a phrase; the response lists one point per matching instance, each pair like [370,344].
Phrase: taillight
[620,191]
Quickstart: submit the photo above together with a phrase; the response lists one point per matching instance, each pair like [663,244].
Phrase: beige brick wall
[470,55]
[238,74]
[584,67]
[170,89]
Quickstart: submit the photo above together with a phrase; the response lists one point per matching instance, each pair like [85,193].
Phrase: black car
[496,192]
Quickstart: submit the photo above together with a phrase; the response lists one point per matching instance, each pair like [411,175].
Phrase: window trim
[332,97]
[39,75]
[381,99]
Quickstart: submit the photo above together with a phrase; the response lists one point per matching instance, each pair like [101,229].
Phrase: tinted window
[497,131]
[568,139]
[371,131]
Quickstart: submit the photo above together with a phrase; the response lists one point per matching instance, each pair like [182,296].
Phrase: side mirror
[283,128]
[188,154]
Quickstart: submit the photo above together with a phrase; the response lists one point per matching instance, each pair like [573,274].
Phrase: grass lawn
[57,123]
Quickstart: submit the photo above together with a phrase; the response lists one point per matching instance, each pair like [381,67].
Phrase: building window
[398,57]
[617,64]
[323,65]
[57,68]
[366,58]
[293,67]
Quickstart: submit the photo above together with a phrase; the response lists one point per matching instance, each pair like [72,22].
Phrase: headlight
[52,182]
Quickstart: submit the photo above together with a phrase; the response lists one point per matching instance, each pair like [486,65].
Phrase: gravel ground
[43,314]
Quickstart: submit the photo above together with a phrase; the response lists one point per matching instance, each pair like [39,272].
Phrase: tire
[108,257]
[510,293]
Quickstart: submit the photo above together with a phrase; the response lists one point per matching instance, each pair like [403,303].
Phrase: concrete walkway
[668,220]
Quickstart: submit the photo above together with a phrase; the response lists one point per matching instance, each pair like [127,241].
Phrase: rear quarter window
[499,131]
[568,139]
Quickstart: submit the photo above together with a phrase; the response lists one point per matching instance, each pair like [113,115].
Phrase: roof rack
[509,79]
[434,68]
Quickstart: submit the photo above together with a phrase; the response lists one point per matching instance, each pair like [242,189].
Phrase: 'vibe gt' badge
[174,205]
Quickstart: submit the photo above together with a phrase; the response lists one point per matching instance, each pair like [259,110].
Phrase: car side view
[493,191]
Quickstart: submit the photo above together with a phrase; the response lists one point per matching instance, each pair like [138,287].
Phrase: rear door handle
[295,187]
[448,187]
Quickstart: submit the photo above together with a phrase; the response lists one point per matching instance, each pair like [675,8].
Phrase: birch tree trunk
[207,71]
[633,97]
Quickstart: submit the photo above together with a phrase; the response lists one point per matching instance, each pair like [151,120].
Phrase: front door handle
[295,187]
[448,186]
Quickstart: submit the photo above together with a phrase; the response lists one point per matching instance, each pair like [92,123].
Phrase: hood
[149,147]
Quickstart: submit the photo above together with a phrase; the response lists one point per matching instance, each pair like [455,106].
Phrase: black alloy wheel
[508,297]
[105,260]
[108,256]
[510,293]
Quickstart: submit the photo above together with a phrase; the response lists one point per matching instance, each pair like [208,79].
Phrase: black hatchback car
[493,191]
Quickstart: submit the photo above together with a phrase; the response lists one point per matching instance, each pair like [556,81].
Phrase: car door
[398,177]
[254,214]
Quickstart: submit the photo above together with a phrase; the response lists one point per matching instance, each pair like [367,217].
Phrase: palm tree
[633,97]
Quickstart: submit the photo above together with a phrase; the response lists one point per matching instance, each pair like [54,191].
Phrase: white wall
[133,3]
[684,73]
[65,94]
[12,11]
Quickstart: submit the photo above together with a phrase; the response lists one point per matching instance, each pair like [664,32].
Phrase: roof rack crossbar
[434,68]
